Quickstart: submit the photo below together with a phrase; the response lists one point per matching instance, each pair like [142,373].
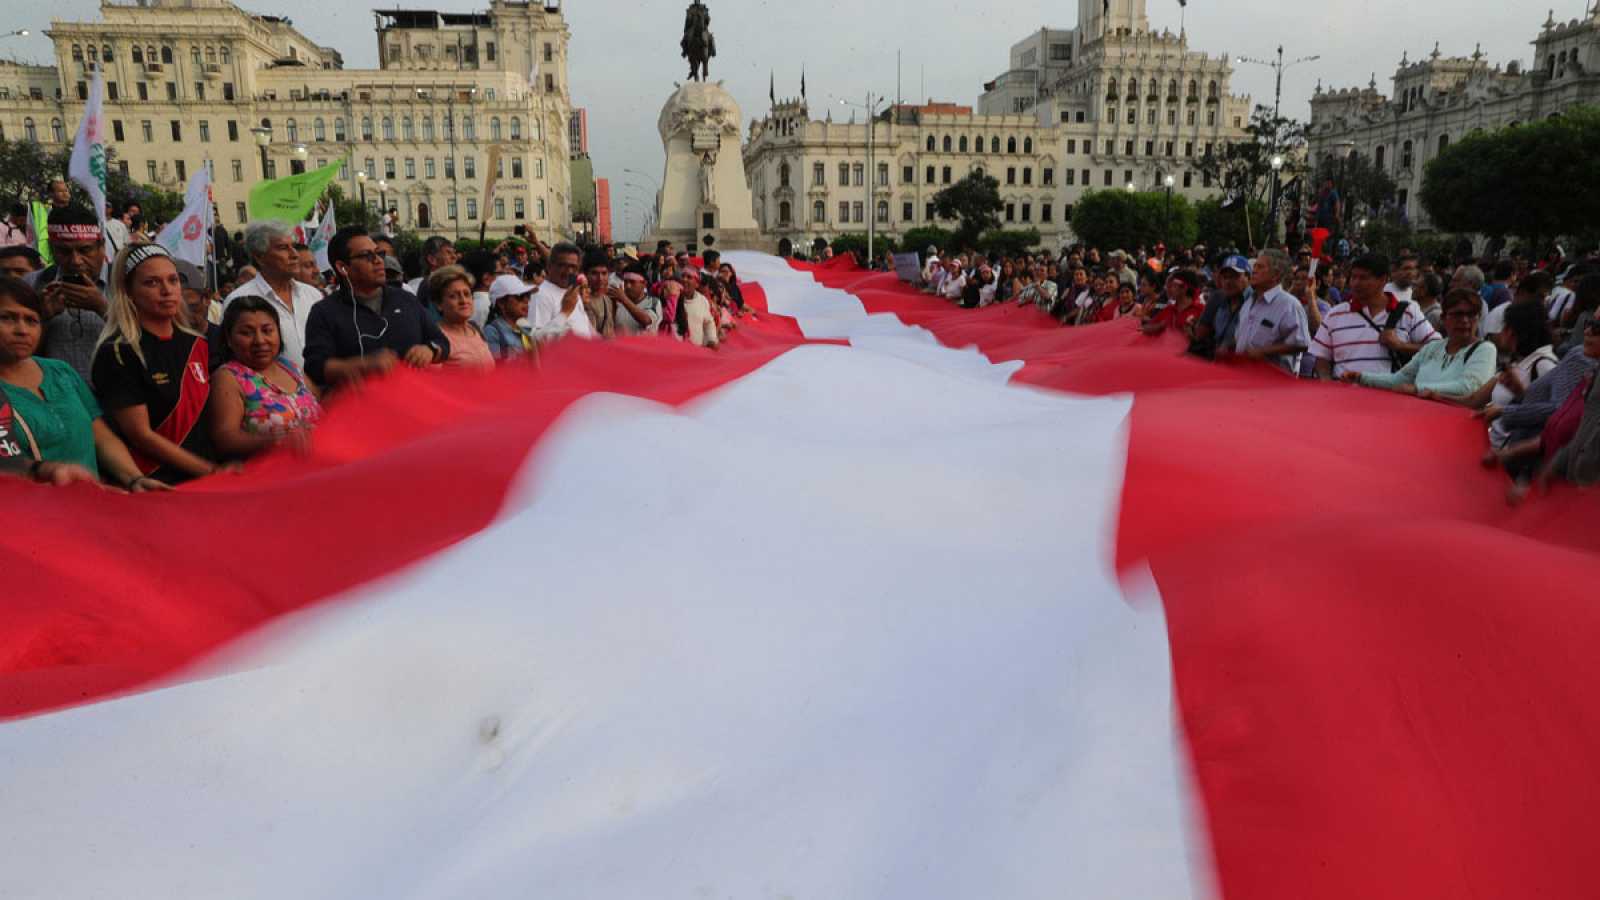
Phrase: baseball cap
[190,275]
[1238,264]
[390,264]
[508,286]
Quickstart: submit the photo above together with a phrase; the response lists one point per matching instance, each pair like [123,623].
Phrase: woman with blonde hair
[151,372]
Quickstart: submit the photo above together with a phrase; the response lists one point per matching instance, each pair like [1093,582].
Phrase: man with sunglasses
[367,326]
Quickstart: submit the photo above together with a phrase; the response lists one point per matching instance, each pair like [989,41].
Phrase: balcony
[213,70]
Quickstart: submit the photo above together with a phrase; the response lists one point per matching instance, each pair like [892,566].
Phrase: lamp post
[383,195]
[1346,148]
[300,153]
[1130,187]
[1277,65]
[869,182]
[1277,188]
[361,179]
[263,136]
[1166,218]
[21,32]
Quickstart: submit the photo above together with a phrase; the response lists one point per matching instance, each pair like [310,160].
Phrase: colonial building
[1441,99]
[191,82]
[1108,104]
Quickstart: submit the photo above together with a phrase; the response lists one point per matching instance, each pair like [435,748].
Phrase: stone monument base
[726,239]
[703,188]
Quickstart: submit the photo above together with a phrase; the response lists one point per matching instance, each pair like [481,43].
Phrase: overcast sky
[625,54]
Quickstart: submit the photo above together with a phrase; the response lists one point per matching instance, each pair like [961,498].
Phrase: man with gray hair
[271,245]
[1272,323]
[437,252]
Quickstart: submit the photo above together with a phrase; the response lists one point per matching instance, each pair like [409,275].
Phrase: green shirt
[1451,375]
[63,422]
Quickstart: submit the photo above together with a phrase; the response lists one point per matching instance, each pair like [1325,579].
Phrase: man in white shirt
[1372,331]
[271,245]
[118,228]
[1404,277]
[437,252]
[557,309]
[1272,323]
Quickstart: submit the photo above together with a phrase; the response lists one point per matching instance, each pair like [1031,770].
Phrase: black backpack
[1397,359]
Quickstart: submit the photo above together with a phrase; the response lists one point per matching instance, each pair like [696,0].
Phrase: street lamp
[1277,188]
[871,180]
[1277,65]
[383,194]
[1346,150]
[1166,218]
[1131,187]
[361,179]
[21,32]
[300,153]
[263,136]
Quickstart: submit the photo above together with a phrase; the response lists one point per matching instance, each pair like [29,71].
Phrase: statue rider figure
[698,44]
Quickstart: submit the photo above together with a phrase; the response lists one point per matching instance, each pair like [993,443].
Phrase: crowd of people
[123,366]
[1513,340]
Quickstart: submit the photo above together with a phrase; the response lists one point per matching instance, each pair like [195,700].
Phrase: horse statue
[698,44]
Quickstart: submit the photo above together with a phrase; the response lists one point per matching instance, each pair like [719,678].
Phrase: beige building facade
[197,82]
[1105,105]
[1440,99]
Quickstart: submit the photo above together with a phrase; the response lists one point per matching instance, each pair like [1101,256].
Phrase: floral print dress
[269,410]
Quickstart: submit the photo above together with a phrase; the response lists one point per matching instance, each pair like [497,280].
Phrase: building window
[817,173]
[150,170]
[549,52]
[388,168]
[963,143]
[469,131]
[931,146]
[371,167]
[818,212]
[469,166]
[538,168]
[1072,145]
[177,131]
[488,54]
[1011,212]
[494,129]
[111,91]
[908,174]
[291,131]
[1149,148]
[1127,176]
[1108,178]
[930,174]
[388,128]
[516,167]
[947,143]
[172,90]
[238,171]
[1172,116]
[427,128]
[1011,145]
[516,128]
[205,132]
[1072,177]
[1189,117]
[1127,148]
[366,128]
[227,91]
[1027,145]
[339,133]
[1150,116]
[240,212]
[182,169]
[1027,176]
[519,209]
[1444,142]
[450,167]
[499,207]
[858,175]
[144,91]
[883,174]
[1171,145]
[994,145]
[927,212]
[907,211]
[1188,179]
[1046,212]
[857,207]
[844,174]
[116,129]
[883,212]
[1027,212]
[1011,175]
[411,168]
[783,175]
[1211,117]
[1079,117]
[844,211]
[1086,178]
[1405,155]
[472,208]
[1133,116]
[549,88]
[200,90]
[785,212]
[451,209]
[945,175]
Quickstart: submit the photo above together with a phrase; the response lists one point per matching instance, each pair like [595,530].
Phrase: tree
[918,240]
[1534,181]
[975,200]
[1243,168]
[26,169]
[1126,219]
[1221,226]
[1009,242]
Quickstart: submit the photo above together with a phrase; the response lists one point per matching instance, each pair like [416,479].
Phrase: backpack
[1397,359]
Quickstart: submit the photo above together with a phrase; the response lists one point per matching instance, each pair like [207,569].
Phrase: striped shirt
[1349,337]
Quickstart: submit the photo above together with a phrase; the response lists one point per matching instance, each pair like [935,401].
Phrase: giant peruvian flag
[884,599]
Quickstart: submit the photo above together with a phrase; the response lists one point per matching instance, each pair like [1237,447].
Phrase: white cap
[508,286]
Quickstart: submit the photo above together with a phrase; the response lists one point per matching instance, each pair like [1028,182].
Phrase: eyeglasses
[369,256]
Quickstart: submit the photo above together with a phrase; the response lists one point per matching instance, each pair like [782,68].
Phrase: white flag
[185,237]
[320,239]
[88,164]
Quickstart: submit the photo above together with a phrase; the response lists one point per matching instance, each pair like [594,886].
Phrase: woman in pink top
[259,399]
[451,288]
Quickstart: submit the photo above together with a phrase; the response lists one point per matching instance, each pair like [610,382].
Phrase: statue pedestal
[703,189]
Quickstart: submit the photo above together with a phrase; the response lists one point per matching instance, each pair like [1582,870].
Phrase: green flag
[290,199]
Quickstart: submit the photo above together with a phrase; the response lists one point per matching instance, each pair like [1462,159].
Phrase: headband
[139,254]
[61,232]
